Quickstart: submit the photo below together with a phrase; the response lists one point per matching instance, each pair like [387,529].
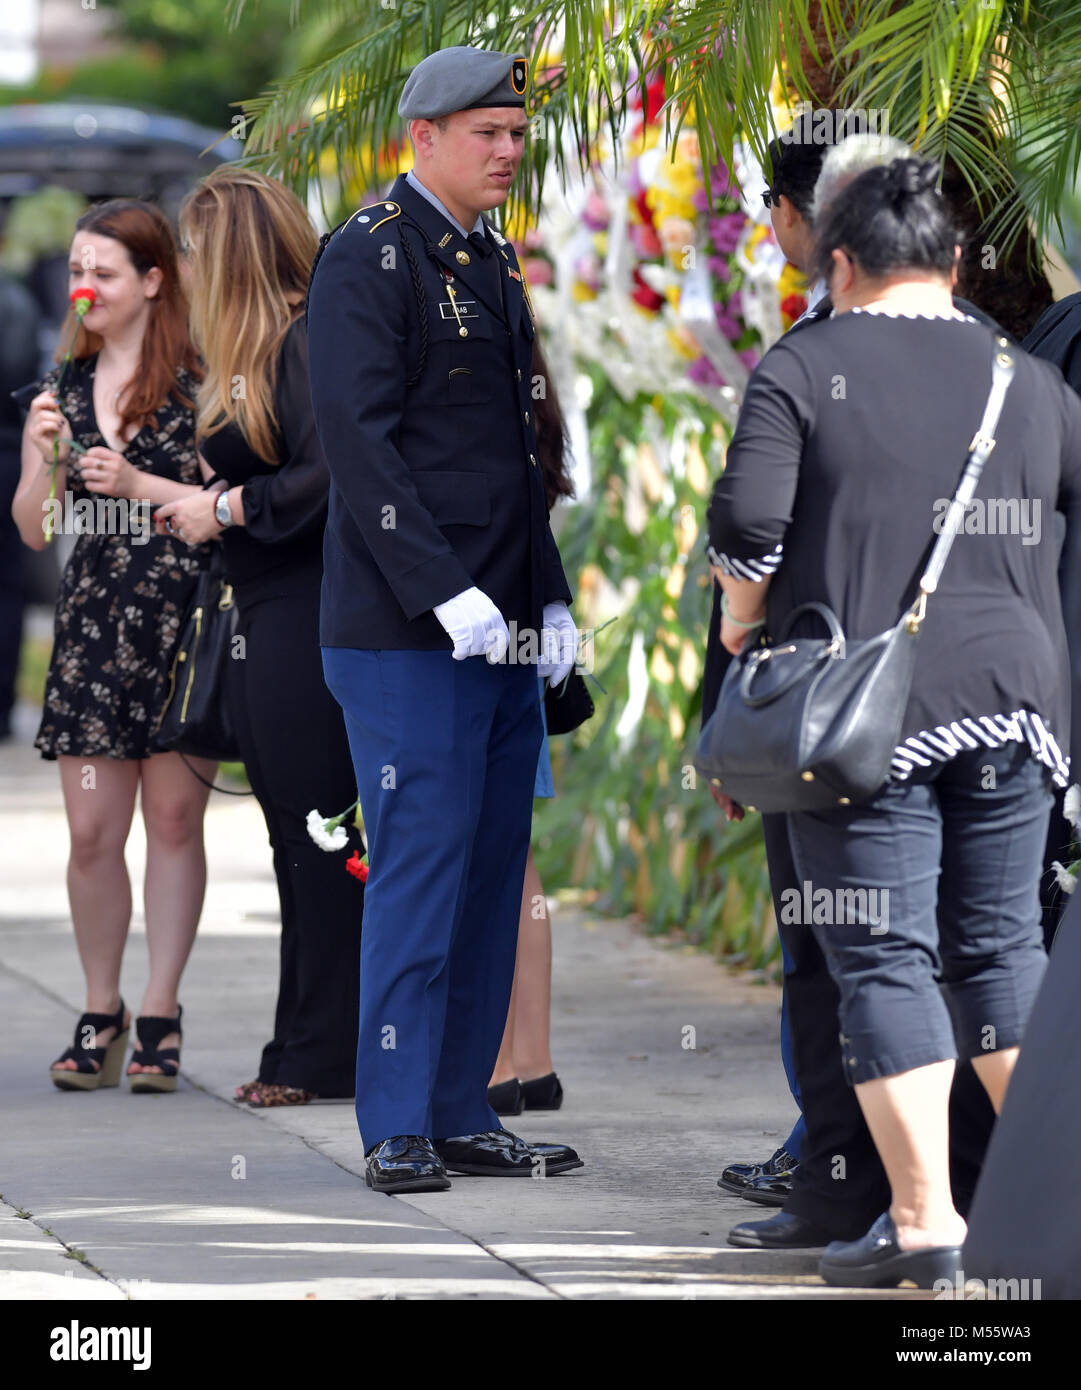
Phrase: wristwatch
[222,514]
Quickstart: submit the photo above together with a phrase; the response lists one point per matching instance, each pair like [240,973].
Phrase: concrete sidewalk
[110,1195]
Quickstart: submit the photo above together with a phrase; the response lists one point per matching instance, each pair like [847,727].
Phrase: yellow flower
[681,342]
[581,293]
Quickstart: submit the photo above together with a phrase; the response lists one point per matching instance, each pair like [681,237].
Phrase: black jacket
[435,486]
[717,658]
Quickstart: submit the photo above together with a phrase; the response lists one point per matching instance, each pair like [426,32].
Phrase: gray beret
[458,79]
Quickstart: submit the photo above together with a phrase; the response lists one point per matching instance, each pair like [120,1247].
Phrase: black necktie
[488,266]
[480,244]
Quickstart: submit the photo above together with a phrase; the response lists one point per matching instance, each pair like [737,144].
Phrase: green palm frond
[992,88]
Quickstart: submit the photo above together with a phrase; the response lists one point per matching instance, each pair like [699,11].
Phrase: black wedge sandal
[96,1066]
[149,1031]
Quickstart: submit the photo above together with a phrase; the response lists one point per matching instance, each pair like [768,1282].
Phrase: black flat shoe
[506,1097]
[770,1189]
[876,1261]
[780,1232]
[737,1175]
[501,1154]
[543,1093]
[405,1163]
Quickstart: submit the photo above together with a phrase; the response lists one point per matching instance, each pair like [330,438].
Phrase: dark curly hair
[887,219]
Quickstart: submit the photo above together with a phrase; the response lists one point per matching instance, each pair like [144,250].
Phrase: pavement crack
[71,1252]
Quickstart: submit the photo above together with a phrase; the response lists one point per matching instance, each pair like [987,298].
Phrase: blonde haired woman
[250,246]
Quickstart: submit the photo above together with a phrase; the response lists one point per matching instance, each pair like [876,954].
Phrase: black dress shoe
[737,1175]
[543,1093]
[501,1154]
[406,1163]
[780,1232]
[770,1189]
[876,1261]
[506,1097]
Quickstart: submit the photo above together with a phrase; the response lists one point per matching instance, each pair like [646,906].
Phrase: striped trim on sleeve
[755,570]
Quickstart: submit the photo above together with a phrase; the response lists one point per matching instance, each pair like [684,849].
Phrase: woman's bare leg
[994,1070]
[531,1015]
[908,1116]
[99,798]
[173,804]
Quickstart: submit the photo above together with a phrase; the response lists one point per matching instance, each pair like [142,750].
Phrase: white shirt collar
[412,180]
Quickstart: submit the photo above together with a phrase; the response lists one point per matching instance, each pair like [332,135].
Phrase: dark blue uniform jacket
[435,486]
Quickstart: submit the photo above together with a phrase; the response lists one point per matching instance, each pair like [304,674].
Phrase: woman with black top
[850,443]
[250,246]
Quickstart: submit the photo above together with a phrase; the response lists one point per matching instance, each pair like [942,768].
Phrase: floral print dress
[122,597]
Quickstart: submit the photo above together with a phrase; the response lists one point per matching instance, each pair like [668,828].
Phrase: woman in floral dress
[125,424]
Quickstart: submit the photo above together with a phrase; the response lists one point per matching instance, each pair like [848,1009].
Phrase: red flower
[793,305]
[644,295]
[83,299]
[357,867]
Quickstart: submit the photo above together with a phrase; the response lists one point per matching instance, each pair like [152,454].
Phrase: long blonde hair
[251,245]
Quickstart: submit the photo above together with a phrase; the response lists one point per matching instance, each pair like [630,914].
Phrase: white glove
[474,624]
[558,642]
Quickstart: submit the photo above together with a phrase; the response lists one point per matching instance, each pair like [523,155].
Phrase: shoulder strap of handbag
[983,441]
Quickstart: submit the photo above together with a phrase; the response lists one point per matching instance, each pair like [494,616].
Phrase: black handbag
[195,717]
[809,723]
[567,705]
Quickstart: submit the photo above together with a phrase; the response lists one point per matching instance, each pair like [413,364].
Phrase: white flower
[1067,877]
[1071,806]
[327,834]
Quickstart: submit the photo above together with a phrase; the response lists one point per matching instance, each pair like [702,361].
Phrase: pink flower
[537,271]
[595,213]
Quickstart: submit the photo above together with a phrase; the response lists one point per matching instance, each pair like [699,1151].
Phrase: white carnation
[1067,878]
[1071,806]
[325,837]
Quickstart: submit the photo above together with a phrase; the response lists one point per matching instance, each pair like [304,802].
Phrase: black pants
[293,742]
[840,1184]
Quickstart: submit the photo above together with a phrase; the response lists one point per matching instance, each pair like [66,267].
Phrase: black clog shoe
[876,1261]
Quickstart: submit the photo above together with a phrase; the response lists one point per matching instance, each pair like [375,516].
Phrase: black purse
[806,724]
[195,717]
[568,705]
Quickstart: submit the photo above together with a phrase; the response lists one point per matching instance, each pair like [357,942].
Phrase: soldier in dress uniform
[442,587]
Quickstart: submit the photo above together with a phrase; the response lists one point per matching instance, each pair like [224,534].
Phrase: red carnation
[83,299]
[793,305]
[644,295]
[358,867]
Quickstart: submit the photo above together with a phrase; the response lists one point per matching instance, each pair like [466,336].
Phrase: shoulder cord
[414,275]
[422,305]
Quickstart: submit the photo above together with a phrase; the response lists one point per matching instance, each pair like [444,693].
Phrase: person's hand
[474,624]
[190,519]
[559,642]
[45,423]
[732,809]
[105,471]
[734,638]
